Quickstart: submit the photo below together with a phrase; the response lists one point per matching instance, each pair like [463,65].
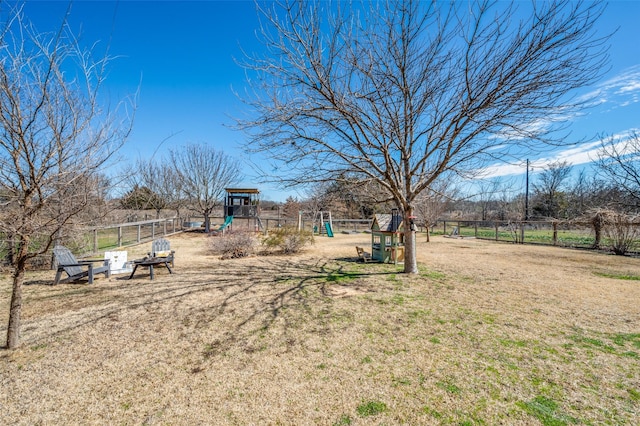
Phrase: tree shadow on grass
[41,282]
[242,299]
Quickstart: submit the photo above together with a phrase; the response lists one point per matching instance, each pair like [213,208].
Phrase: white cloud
[579,154]
[620,86]
[633,86]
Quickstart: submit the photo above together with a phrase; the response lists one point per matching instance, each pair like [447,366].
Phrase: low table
[150,262]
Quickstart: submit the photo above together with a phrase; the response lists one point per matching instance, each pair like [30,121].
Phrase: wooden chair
[161,248]
[75,269]
[365,256]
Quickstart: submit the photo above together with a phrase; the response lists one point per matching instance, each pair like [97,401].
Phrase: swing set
[322,223]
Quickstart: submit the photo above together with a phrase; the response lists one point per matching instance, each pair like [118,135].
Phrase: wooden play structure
[387,238]
[243,204]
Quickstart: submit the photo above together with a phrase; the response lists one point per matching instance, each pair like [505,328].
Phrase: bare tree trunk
[410,261]
[598,221]
[13,328]
[55,140]
[207,222]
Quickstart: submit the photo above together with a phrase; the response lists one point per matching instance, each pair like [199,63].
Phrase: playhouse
[387,238]
[244,204]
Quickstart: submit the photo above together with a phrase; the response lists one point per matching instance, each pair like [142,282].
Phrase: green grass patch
[336,277]
[431,412]
[513,343]
[622,339]
[589,342]
[397,299]
[371,408]
[621,343]
[344,420]
[433,275]
[38,347]
[618,276]
[546,411]
[449,387]
[417,314]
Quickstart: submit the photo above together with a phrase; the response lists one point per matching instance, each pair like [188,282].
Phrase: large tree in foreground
[54,138]
[404,92]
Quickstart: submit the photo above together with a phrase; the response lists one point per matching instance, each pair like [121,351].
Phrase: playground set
[387,230]
[241,204]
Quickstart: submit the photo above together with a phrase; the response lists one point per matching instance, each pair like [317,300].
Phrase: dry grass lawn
[487,333]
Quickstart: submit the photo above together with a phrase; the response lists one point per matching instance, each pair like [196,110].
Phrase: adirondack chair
[162,248]
[363,255]
[75,269]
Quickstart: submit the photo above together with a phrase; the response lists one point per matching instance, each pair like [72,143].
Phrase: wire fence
[127,234]
[556,233]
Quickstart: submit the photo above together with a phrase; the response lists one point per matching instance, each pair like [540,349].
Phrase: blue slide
[327,226]
[227,222]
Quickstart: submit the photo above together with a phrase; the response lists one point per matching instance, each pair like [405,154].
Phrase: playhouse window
[376,241]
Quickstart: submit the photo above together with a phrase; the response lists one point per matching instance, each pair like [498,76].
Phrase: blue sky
[181,56]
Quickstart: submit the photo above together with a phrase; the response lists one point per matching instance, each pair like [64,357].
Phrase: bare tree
[204,173]
[619,162]
[431,203]
[154,186]
[548,189]
[405,92]
[486,195]
[54,138]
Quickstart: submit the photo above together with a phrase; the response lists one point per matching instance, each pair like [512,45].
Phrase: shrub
[621,232]
[234,244]
[287,240]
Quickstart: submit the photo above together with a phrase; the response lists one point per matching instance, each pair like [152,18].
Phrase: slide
[227,222]
[327,226]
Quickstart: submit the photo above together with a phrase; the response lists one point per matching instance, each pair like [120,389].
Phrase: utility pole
[526,195]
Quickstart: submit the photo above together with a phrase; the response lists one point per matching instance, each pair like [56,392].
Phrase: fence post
[475,226]
[153,230]
[555,233]
[138,237]
[119,236]
[95,240]
[496,223]
[444,227]
[522,232]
